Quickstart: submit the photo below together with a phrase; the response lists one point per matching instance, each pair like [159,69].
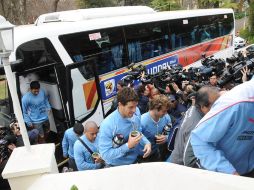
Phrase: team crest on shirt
[109,87]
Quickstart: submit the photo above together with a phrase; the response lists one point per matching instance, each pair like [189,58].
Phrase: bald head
[90,124]
[91,130]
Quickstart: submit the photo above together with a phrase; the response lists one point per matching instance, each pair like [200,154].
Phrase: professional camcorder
[7,137]
[196,76]
[236,63]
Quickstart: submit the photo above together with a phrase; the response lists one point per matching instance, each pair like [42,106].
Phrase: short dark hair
[141,89]
[78,128]
[35,85]
[213,74]
[202,96]
[126,95]
[121,83]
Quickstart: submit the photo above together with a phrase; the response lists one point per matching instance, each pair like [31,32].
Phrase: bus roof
[54,29]
[92,13]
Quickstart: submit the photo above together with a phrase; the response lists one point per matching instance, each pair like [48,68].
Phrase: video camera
[134,73]
[7,137]
[233,71]
[196,76]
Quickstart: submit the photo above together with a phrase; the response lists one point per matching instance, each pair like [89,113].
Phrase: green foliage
[229,4]
[208,3]
[74,187]
[165,5]
[133,2]
[247,36]
[251,18]
[240,15]
[218,3]
[95,3]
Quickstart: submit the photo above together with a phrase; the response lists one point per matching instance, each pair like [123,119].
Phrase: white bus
[78,56]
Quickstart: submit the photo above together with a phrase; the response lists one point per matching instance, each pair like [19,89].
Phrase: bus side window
[175,33]
[37,53]
[147,40]
[105,63]
[194,35]
[117,53]
[134,49]
[106,46]
[227,24]
[214,26]
[204,34]
[86,69]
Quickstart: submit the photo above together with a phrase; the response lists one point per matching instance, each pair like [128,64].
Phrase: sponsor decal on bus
[108,86]
[162,64]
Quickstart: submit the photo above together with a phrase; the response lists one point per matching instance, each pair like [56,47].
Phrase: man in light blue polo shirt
[116,144]
[70,137]
[85,148]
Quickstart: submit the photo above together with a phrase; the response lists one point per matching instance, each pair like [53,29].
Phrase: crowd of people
[209,128]
[214,128]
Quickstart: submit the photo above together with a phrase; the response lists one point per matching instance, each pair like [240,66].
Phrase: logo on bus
[162,64]
[109,86]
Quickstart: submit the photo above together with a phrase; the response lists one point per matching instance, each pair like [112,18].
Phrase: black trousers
[250,174]
[72,164]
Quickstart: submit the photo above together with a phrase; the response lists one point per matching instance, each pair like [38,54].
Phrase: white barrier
[149,176]
[25,166]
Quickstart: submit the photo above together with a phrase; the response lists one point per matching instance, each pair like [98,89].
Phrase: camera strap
[85,145]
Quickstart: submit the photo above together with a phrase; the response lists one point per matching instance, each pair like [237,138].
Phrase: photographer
[213,79]
[177,109]
[204,99]
[120,85]
[4,185]
[33,134]
[7,144]
[10,138]
[143,92]
[183,95]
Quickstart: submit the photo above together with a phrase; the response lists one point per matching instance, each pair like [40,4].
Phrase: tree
[14,11]
[251,18]
[95,3]
[208,3]
[229,4]
[55,4]
[165,5]
[240,5]
[26,11]
[135,2]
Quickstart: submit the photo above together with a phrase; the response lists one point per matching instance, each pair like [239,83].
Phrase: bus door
[49,78]
[40,61]
[84,95]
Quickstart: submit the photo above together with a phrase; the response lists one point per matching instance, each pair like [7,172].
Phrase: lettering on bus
[162,64]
